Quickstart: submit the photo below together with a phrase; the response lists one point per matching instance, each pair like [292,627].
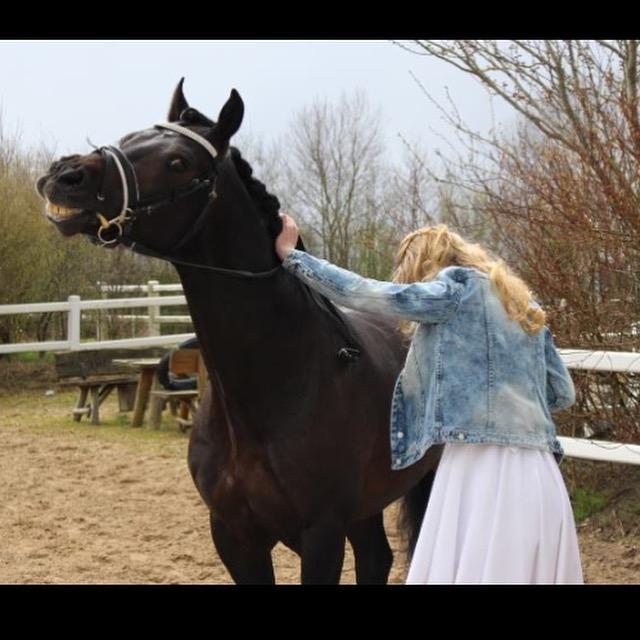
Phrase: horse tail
[411,513]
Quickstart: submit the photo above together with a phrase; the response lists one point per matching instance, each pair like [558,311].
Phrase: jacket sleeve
[428,302]
[561,392]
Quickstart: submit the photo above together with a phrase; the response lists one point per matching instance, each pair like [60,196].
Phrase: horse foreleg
[248,560]
[371,550]
[322,553]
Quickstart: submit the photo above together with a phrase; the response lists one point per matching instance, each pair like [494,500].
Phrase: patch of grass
[33,356]
[28,372]
[49,416]
[586,503]
[635,509]
[605,496]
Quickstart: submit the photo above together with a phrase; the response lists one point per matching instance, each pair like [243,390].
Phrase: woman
[481,376]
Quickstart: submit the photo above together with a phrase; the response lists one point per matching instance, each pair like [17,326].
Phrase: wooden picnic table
[146,379]
[100,387]
[94,373]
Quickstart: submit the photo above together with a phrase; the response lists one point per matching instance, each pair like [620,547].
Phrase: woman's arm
[561,392]
[428,302]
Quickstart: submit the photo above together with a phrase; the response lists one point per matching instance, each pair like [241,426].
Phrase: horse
[291,443]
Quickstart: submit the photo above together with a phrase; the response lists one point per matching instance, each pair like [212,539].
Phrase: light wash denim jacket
[471,373]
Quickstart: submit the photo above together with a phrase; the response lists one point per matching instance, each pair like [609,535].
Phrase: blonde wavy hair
[426,251]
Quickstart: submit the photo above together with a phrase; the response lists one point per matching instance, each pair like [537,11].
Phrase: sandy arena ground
[108,504]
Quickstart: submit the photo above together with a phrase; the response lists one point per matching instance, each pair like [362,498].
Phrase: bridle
[133,206]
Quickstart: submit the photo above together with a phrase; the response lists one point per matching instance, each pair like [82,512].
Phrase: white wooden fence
[74,306]
[625,362]
[152,319]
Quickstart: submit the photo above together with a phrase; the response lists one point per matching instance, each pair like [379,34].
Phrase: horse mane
[268,204]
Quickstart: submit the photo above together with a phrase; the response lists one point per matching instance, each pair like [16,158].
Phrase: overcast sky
[60,92]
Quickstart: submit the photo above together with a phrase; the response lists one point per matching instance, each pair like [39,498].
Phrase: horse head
[151,189]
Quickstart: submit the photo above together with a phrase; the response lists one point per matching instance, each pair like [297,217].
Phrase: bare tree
[581,95]
[333,172]
[411,192]
[560,193]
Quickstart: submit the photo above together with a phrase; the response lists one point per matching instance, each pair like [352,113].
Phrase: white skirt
[497,514]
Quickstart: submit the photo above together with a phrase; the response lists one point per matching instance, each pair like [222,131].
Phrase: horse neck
[242,323]
[249,332]
[232,234]
[232,316]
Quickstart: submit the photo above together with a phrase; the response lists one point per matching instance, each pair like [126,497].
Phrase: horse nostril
[71,178]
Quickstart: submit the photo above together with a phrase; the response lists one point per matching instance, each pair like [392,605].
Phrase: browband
[190,134]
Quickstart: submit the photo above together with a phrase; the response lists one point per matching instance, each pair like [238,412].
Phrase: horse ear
[230,118]
[178,103]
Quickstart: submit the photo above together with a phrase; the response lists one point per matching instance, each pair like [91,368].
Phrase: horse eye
[177,164]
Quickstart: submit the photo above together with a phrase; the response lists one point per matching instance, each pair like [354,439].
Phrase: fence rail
[624,362]
[151,286]
[74,307]
[620,361]
[601,450]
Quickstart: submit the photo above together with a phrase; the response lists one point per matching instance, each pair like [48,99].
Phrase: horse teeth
[58,211]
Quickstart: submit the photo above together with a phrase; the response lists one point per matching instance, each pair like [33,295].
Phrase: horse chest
[248,493]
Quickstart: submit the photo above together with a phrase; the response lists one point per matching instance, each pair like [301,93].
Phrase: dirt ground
[110,504]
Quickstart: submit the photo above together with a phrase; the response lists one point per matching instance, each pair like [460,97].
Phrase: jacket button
[400,434]
[398,461]
[461,436]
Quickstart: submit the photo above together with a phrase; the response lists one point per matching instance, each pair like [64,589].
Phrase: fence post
[73,323]
[154,311]
[100,330]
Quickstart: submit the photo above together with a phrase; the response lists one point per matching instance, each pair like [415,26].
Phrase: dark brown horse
[292,441]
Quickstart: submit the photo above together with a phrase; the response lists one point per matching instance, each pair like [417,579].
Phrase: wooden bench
[97,376]
[182,362]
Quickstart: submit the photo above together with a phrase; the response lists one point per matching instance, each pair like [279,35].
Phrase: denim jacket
[471,373]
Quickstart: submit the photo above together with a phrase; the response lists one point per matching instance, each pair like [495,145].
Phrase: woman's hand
[288,237]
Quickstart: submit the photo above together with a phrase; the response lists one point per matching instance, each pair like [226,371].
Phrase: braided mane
[268,204]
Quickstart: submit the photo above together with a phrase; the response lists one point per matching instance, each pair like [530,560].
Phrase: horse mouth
[71,220]
[59,213]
